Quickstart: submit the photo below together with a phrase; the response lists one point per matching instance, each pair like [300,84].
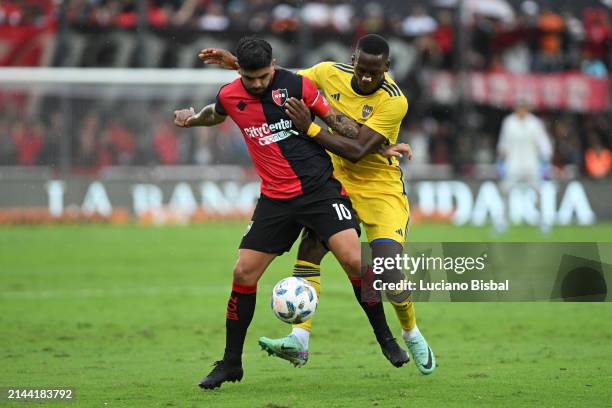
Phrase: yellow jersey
[381,111]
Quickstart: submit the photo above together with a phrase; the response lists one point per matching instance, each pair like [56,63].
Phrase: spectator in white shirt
[524,146]
[525,149]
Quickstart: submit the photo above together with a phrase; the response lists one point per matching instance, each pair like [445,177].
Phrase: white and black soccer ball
[294,300]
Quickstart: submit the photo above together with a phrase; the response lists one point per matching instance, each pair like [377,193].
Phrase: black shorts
[276,224]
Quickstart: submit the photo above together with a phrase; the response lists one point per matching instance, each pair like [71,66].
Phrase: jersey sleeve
[317,73]
[387,116]
[219,105]
[313,98]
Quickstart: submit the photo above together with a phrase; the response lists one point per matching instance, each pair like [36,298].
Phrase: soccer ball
[294,300]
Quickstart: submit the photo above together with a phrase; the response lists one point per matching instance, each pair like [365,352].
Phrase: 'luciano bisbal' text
[472,285]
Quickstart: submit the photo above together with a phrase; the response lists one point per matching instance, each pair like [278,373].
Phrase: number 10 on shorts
[342,212]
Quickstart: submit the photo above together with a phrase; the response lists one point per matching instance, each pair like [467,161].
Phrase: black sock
[373,308]
[240,311]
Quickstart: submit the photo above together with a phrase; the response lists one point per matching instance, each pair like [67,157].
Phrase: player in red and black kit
[297,191]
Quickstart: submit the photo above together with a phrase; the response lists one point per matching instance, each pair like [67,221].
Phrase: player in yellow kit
[374,183]
[365,93]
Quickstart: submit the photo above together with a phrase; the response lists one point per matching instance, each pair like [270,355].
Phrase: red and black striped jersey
[289,162]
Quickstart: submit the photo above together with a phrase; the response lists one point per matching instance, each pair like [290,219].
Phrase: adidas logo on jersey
[336,96]
[399,232]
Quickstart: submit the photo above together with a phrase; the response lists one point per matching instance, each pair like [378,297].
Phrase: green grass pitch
[134,317]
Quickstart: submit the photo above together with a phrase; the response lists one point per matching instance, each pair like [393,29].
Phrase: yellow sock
[312,273]
[405,314]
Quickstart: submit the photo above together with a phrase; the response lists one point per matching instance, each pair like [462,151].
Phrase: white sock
[411,334]
[302,335]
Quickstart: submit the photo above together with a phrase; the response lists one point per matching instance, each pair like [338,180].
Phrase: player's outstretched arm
[206,117]
[366,141]
[219,56]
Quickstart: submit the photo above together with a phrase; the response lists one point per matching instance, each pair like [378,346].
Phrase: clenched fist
[182,116]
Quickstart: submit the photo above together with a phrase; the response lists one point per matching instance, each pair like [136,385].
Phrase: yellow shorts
[384,215]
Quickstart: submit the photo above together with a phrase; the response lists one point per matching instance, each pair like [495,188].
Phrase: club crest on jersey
[366,111]
[279,96]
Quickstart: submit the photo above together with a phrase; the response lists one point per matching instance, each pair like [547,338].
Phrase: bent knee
[244,275]
[352,263]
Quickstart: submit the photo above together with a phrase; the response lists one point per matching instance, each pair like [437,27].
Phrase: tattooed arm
[365,140]
[341,124]
[206,117]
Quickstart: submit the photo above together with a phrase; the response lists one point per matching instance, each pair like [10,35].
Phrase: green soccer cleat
[421,354]
[288,348]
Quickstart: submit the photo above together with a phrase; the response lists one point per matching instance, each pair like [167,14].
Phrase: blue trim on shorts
[387,240]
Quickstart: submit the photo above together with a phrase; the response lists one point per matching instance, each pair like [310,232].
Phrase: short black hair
[373,44]
[253,53]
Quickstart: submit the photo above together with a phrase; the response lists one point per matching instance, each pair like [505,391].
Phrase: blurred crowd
[106,138]
[544,41]
[27,12]
[524,39]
